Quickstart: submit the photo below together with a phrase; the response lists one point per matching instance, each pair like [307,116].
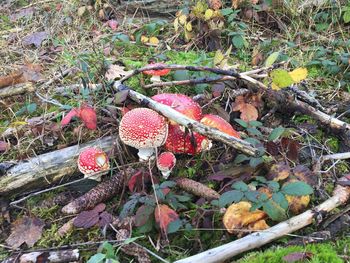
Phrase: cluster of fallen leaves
[26,73]
[248,106]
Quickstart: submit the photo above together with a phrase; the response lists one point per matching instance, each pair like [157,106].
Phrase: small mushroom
[165,163]
[143,129]
[156,74]
[93,160]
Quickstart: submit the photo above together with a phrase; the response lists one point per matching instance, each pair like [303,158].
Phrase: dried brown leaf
[35,39]
[115,72]
[249,113]
[279,171]
[25,230]
[297,256]
[215,4]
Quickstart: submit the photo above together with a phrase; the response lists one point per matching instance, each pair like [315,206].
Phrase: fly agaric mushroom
[219,123]
[180,141]
[180,103]
[93,160]
[156,73]
[143,129]
[165,163]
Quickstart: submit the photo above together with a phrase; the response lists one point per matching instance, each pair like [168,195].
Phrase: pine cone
[197,188]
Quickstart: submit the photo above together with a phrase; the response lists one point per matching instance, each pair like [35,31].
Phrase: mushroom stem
[145,153]
[155,79]
[166,174]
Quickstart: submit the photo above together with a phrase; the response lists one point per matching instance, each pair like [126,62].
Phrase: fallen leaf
[271,59]
[281,78]
[298,256]
[88,115]
[25,230]
[35,39]
[257,57]
[298,74]
[86,219]
[28,72]
[291,148]
[22,13]
[143,214]
[249,113]
[105,219]
[164,215]
[304,174]
[153,40]
[115,72]
[215,4]
[81,11]
[238,216]
[279,171]
[120,97]
[298,204]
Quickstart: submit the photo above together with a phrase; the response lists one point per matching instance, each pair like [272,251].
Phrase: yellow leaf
[176,24]
[274,86]
[154,40]
[208,14]
[144,39]
[182,19]
[298,74]
[218,57]
[189,26]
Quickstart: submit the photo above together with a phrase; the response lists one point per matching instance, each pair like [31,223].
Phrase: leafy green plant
[268,195]
[236,28]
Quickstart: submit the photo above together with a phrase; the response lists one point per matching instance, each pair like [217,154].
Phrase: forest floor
[59,56]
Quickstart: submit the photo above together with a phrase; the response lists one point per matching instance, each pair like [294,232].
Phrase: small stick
[336,156]
[183,120]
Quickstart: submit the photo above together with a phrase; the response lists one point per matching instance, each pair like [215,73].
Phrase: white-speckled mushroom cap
[143,128]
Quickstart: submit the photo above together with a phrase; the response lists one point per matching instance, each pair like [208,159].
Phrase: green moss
[321,253]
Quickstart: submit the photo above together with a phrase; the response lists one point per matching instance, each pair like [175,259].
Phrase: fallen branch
[258,239]
[17,90]
[191,124]
[47,168]
[96,195]
[59,256]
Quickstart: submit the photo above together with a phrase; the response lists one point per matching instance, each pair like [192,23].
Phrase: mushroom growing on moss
[156,73]
[143,129]
[93,160]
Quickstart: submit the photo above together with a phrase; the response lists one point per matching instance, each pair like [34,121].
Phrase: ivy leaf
[297,188]
[230,197]
[271,59]
[281,79]
[274,211]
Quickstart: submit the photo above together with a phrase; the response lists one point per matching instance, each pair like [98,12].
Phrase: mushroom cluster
[145,130]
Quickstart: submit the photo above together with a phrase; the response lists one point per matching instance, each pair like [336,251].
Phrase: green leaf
[297,188]
[255,123]
[254,131]
[271,59]
[182,198]
[252,196]
[242,123]
[241,186]
[130,240]
[238,41]
[97,258]
[181,75]
[174,226]
[274,211]
[167,184]
[240,158]
[281,78]
[273,185]
[108,248]
[254,162]
[260,179]
[226,11]
[346,17]
[276,133]
[281,200]
[31,108]
[122,37]
[256,206]
[229,197]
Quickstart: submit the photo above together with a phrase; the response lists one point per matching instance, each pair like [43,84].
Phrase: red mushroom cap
[143,128]
[219,123]
[181,103]
[179,141]
[165,163]
[159,72]
[92,160]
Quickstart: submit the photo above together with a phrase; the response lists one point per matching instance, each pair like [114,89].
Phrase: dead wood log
[96,195]
[16,90]
[219,254]
[70,255]
[174,115]
[47,168]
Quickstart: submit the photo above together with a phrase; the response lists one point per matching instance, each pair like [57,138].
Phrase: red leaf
[4,146]
[143,215]
[113,24]
[137,181]
[164,215]
[88,115]
[66,119]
